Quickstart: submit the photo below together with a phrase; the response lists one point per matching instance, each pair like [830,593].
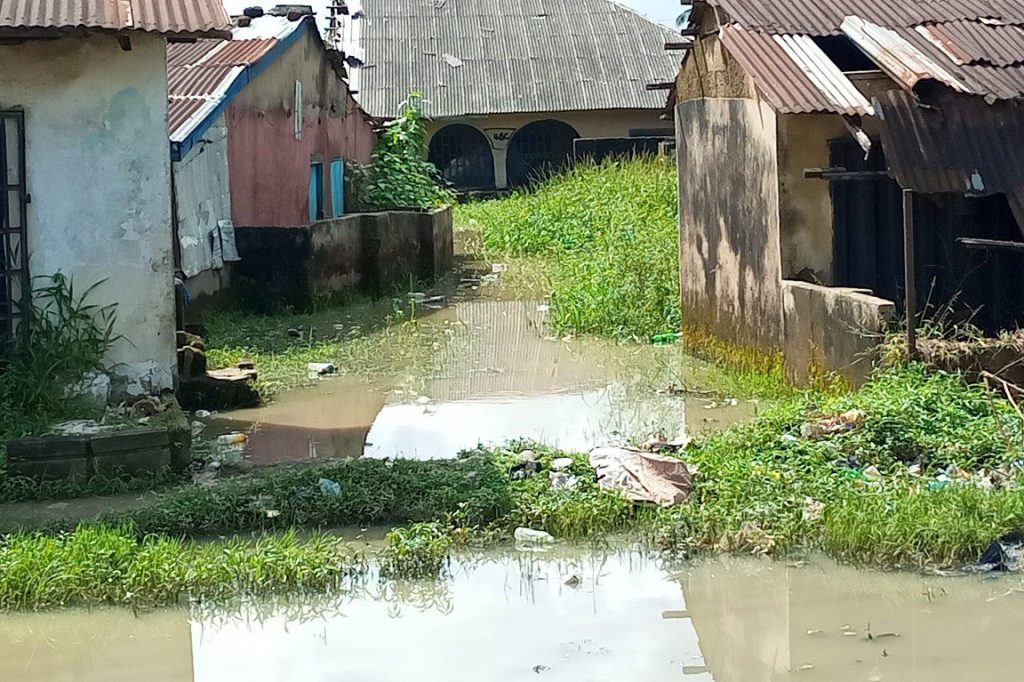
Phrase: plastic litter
[561,463]
[531,536]
[232,439]
[666,339]
[329,487]
[561,480]
[321,368]
[498,267]
[203,414]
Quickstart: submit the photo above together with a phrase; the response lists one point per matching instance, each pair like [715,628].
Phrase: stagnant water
[507,616]
[500,378]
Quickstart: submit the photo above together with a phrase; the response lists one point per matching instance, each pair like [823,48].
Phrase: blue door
[316,192]
[338,187]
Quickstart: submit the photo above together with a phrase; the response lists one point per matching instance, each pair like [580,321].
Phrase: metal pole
[910,303]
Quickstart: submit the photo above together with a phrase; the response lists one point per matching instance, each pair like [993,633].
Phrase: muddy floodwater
[499,376]
[568,615]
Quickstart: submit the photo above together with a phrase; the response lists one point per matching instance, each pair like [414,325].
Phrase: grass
[608,233]
[382,338]
[110,566]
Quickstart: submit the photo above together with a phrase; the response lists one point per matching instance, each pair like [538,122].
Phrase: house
[261,129]
[799,126]
[509,86]
[84,163]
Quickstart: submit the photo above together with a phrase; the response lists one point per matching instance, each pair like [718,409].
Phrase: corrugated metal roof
[492,56]
[184,18]
[793,74]
[199,75]
[972,42]
[959,144]
[823,17]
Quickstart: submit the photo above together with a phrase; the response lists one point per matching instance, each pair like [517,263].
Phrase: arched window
[539,147]
[463,155]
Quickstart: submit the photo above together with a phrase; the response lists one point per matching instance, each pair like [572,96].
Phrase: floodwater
[508,616]
[500,378]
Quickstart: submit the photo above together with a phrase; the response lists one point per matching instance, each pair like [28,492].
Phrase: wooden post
[910,303]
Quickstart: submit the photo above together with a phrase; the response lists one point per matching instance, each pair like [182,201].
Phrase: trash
[273,513]
[527,456]
[524,470]
[941,481]
[498,268]
[144,421]
[642,476]
[812,509]
[321,368]
[295,333]
[422,400]
[540,668]
[543,308]
[232,439]
[197,427]
[561,463]
[872,473]
[680,442]
[417,296]
[203,414]
[830,426]
[1004,554]
[531,536]
[788,438]
[81,427]
[806,667]
[329,487]
[665,339]
[245,365]
[561,480]
[573,581]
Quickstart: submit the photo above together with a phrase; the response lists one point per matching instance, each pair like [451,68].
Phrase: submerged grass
[608,232]
[112,566]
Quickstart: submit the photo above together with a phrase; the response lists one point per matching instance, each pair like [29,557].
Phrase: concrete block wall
[831,329]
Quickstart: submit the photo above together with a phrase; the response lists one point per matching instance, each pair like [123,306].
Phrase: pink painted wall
[268,166]
[270,169]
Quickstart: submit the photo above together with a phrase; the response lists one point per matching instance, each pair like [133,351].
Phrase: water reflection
[496,378]
[570,614]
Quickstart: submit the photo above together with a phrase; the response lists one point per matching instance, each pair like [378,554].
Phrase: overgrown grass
[108,566]
[610,233]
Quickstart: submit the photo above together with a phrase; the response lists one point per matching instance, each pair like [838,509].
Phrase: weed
[416,551]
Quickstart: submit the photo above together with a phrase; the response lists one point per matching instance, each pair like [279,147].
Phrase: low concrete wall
[831,329]
[374,252]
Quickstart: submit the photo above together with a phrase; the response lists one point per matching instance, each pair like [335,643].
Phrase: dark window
[14,281]
[844,54]
[316,192]
[463,156]
[539,148]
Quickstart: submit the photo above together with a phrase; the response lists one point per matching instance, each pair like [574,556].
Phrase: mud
[506,616]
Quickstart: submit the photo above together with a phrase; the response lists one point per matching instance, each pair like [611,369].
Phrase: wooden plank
[990,244]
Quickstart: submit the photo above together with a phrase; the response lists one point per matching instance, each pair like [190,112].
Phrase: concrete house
[799,125]
[510,86]
[261,129]
[84,167]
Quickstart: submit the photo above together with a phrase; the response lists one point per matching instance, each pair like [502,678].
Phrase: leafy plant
[416,551]
[400,176]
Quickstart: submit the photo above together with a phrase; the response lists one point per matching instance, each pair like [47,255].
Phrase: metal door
[14,278]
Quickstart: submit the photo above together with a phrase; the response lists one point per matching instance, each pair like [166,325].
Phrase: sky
[664,11]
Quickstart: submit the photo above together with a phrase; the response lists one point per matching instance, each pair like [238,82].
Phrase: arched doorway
[463,155]
[538,147]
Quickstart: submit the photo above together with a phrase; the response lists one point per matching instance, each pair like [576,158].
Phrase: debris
[812,509]
[1006,553]
[680,442]
[197,428]
[246,365]
[232,439]
[329,487]
[273,513]
[435,302]
[830,426]
[655,444]
[665,339]
[144,421]
[573,581]
[422,400]
[806,667]
[561,463]
[498,268]
[642,476]
[814,632]
[531,536]
[203,414]
[321,368]
[527,456]
[543,308]
[146,407]
[540,668]
[295,333]
[524,469]
[788,438]
[561,480]
[872,473]
[81,427]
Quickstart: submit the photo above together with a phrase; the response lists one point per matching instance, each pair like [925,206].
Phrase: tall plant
[400,176]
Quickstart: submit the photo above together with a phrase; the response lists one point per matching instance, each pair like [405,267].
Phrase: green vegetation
[608,236]
[108,566]
[418,551]
[65,337]
[400,176]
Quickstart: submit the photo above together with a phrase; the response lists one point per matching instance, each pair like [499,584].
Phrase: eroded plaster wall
[98,170]
[500,128]
[729,256]
[269,166]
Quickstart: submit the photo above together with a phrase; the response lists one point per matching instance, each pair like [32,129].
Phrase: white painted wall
[203,197]
[587,123]
[98,169]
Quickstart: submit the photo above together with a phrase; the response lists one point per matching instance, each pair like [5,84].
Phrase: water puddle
[498,378]
[568,615]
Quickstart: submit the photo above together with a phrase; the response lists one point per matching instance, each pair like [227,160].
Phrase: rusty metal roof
[793,74]
[823,17]
[959,144]
[974,42]
[201,75]
[175,18]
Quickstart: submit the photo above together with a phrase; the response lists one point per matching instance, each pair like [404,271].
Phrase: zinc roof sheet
[490,56]
[184,18]
[973,42]
[793,74]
